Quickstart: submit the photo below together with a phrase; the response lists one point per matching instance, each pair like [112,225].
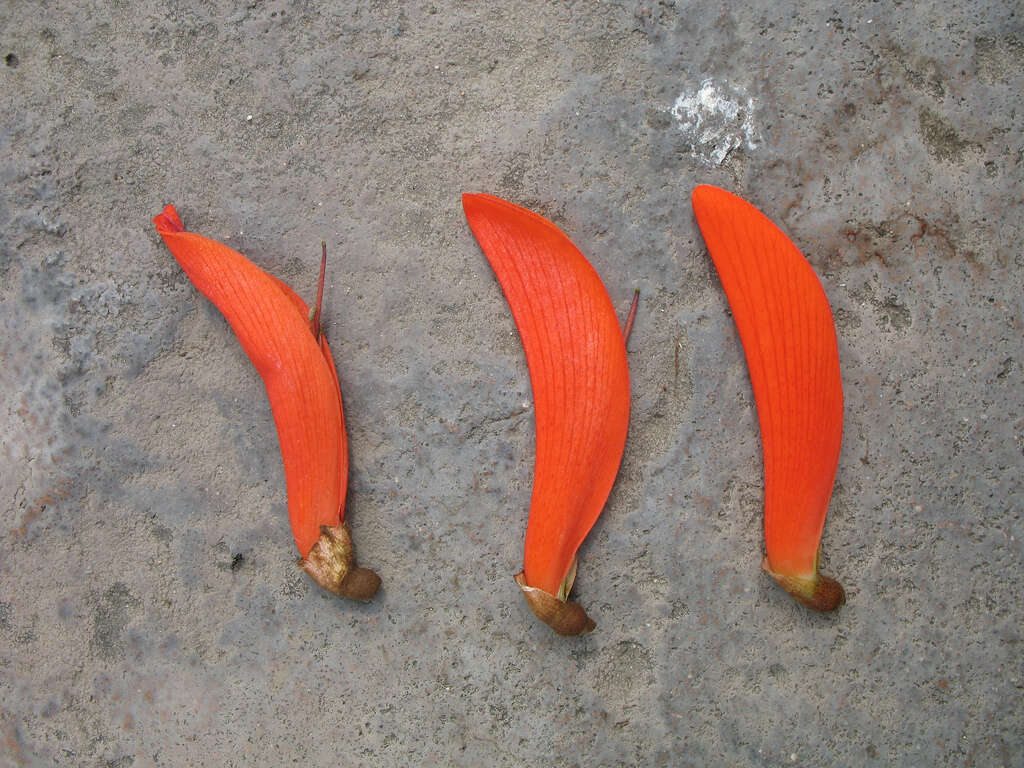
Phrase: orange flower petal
[272,325]
[578,371]
[789,338]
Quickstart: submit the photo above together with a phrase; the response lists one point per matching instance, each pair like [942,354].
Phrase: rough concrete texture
[151,613]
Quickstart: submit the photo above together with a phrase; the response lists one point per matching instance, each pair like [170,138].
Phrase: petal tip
[472,201]
[168,221]
[705,193]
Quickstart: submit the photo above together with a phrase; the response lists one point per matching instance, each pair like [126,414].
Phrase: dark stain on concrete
[893,314]
[996,59]
[940,138]
[111,613]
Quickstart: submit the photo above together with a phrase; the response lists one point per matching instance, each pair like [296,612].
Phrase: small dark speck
[237,561]
[872,751]
[11,60]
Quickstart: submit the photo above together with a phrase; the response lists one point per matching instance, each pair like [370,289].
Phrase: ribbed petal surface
[788,334]
[271,323]
[578,371]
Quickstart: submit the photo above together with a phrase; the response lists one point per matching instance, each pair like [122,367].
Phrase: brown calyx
[821,593]
[562,616]
[332,564]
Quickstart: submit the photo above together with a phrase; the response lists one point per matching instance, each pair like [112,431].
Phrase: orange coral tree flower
[576,355]
[789,338]
[275,329]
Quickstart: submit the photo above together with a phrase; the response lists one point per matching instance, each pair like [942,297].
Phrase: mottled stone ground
[151,613]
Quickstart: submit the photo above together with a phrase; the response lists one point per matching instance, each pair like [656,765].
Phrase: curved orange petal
[303,309]
[272,325]
[578,371]
[788,335]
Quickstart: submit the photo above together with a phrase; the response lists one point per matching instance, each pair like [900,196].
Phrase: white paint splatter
[716,120]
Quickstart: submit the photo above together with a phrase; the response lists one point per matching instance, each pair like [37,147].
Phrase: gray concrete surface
[150,610]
